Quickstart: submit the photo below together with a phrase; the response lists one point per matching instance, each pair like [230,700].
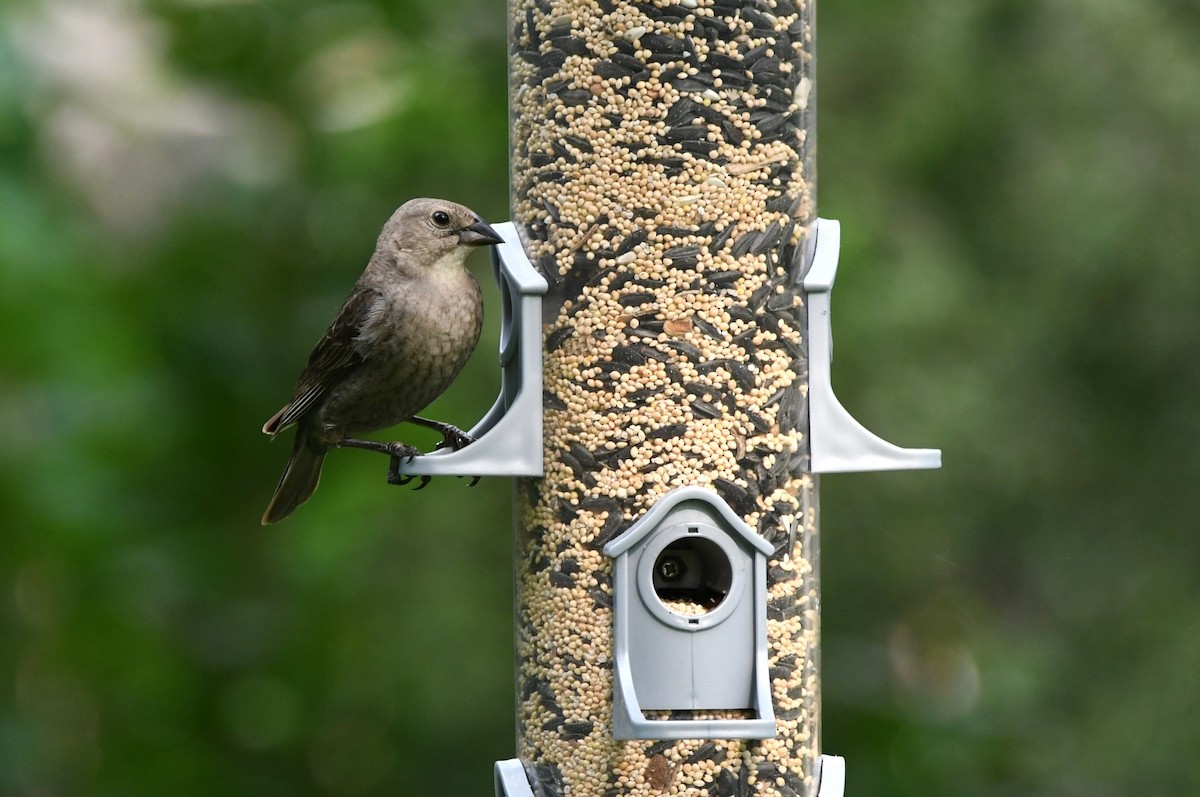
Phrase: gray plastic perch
[837,441]
[831,776]
[511,780]
[508,441]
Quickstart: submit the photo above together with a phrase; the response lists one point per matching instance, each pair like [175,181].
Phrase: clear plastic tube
[663,183]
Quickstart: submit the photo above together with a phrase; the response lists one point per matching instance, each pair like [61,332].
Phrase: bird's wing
[335,354]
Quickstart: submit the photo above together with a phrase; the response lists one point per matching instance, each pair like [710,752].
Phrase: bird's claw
[454,439]
[405,454]
[474,480]
[400,479]
[394,476]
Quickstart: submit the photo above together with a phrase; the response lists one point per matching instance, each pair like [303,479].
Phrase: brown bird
[406,331]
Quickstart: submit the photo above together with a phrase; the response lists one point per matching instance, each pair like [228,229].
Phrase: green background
[187,191]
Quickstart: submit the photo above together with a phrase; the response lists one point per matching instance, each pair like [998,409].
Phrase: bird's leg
[399,452]
[396,450]
[453,438]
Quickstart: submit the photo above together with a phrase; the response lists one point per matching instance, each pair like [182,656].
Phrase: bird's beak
[479,234]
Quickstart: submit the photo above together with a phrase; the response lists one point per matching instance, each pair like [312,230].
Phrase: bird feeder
[667,596]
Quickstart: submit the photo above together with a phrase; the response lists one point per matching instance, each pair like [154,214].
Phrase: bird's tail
[298,482]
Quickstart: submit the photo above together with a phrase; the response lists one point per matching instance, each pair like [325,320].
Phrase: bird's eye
[441,218]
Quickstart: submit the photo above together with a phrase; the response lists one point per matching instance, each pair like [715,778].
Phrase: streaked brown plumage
[402,336]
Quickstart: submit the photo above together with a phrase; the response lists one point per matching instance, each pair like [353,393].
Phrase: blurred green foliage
[189,187]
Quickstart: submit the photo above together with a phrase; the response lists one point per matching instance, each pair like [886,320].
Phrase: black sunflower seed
[742,375]
[751,56]
[610,69]
[656,43]
[741,312]
[668,431]
[568,44]
[575,730]
[743,244]
[681,133]
[636,299]
[632,240]
[556,338]
[707,328]
[575,96]
[686,349]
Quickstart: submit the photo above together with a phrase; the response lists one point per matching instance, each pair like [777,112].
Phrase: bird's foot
[474,480]
[404,454]
[453,438]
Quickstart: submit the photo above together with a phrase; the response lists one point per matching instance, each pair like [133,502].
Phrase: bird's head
[434,233]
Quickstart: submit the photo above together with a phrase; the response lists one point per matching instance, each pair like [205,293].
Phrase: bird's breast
[412,348]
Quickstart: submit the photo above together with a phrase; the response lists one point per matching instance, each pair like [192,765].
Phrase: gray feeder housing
[690,549]
[508,441]
[511,780]
[838,443]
